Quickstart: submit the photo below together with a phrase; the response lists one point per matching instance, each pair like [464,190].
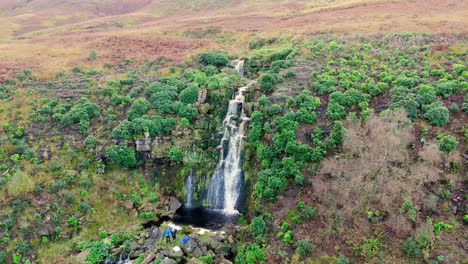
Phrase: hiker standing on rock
[167,233]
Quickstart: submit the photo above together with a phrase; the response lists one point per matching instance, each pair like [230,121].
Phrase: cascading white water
[189,185]
[225,184]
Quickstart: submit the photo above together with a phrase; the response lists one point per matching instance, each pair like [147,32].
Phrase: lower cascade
[225,184]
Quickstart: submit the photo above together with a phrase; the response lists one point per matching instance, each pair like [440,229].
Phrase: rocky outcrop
[151,243]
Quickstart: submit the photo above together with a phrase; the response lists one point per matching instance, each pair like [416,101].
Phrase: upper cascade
[225,185]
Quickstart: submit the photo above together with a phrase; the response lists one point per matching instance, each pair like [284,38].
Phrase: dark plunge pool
[213,219]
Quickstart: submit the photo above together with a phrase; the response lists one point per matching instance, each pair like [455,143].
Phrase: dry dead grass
[374,171]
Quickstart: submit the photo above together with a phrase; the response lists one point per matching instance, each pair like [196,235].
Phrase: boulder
[143,144]
[214,242]
[43,232]
[176,253]
[81,258]
[137,253]
[167,260]
[197,252]
[174,204]
[149,258]
[189,246]
[133,246]
[223,250]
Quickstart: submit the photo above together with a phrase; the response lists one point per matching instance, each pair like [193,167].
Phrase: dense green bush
[445,88]
[82,111]
[185,111]
[426,94]
[436,113]
[175,155]
[122,155]
[270,182]
[258,227]
[139,107]
[267,81]
[253,254]
[189,95]
[448,143]
[304,247]
[99,251]
[216,58]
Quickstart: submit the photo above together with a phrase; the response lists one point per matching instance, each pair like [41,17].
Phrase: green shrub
[267,81]
[210,70]
[448,143]
[459,68]
[102,234]
[426,94]
[446,88]
[304,247]
[411,248]
[289,74]
[122,155]
[308,213]
[369,249]
[99,251]
[439,226]
[437,114]
[175,155]
[83,109]
[147,215]
[335,111]
[155,125]
[73,222]
[288,237]
[253,254]
[189,95]
[258,226]
[139,107]
[269,184]
[216,58]
[206,259]
[185,111]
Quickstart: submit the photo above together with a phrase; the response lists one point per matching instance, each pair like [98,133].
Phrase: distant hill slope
[29,27]
[96,7]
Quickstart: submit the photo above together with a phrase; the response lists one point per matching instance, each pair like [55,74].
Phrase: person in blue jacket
[167,233]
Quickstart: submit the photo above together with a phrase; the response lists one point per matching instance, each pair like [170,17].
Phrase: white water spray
[225,185]
[189,185]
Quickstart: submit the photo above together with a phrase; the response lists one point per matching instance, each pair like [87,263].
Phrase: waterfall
[226,182]
[189,185]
